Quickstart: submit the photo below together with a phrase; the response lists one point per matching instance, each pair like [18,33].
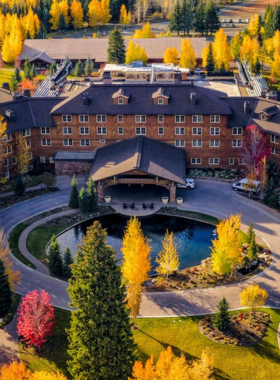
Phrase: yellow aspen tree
[15,371]
[171,55]
[272,45]
[6,50]
[221,49]
[3,130]
[275,66]
[226,250]
[145,32]
[204,55]
[55,13]
[168,259]
[125,17]
[77,14]
[44,375]
[187,55]
[22,155]
[253,297]
[2,28]
[235,45]
[254,25]
[13,275]
[135,53]
[94,13]
[202,369]
[105,11]
[64,9]
[249,49]
[31,23]
[134,298]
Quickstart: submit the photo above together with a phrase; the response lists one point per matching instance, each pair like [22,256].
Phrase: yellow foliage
[249,50]
[187,55]
[204,55]
[272,45]
[202,369]
[221,49]
[15,371]
[145,32]
[226,250]
[99,12]
[134,298]
[275,66]
[77,14]
[43,375]
[253,297]
[168,259]
[22,155]
[125,17]
[254,25]
[55,13]
[13,276]
[30,23]
[171,56]
[64,9]
[235,45]
[135,53]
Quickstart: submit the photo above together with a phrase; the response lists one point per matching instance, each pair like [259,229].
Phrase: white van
[243,185]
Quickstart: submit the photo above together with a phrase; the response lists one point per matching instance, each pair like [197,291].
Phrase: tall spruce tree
[55,260]
[187,16]
[5,292]
[271,194]
[116,47]
[83,201]
[222,319]
[79,69]
[176,19]
[100,339]
[19,187]
[212,21]
[210,63]
[62,23]
[199,18]
[67,261]
[276,19]
[253,248]
[27,69]
[88,67]
[250,233]
[17,75]
[74,196]
[92,196]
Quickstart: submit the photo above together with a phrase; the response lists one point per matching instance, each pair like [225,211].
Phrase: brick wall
[72,167]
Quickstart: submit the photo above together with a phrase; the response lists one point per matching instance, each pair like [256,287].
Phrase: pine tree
[19,186]
[268,25]
[33,71]
[55,261]
[17,75]
[53,68]
[212,22]
[92,196]
[100,339]
[253,248]
[74,196]
[5,292]
[271,194]
[250,233]
[222,318]
[88,67]
[62,23]
[79,69]
[276,19]
[46,19]
[67,261]
[210,63]
[199,18]
[83,201]
[176,19]
[116,47]
[27,69]
[13,83]
[187,16]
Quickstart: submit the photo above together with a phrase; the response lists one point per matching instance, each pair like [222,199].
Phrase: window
[197,131]
[67,118]
[84,142]
[28,144]
[84,118]
[67,130]
[196,143]
[214,131]
[26,132]
[6,162]
[140,130]
[51,160]
[7,174]
[214,161]
[120,118]
[214,118]
[8,149]
[240,161]
[84,130]
[68,142]
[102,141]
[7,137]
[231,161]
[214,143]
[197,118]
[30,155]
[140,118]
[160,101]
[262,116]
[101,130]
[101,118]
[274,139]
[274,151]
[179,118]
[46,142]
[160,118]
[179,131]
[45,130]
[180,143]
[43,159]
[237,131]
[196,161]
[120,101]
[236,143]
[120,131]
[161,131]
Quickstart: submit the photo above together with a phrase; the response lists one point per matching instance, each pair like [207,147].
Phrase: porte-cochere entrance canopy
[139,160]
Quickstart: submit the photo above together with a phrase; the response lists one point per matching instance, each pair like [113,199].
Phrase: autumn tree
[187,55]
[116,47]
[54,256]
[222,318]
[221,49]
[55,14]
[22,155]
[36,319]
[145,32]
[5,291]
[226,250]
[74,196]
[14,371]
[264,176]
[77,14]
[253,297]
[99,12]
[125,16]
[249,50]
[254,25]
[135,53]
[168,259]
[171,55]
[235,45]
[100,339]
[3,132]
[14,276]
[30,23]
[64,10]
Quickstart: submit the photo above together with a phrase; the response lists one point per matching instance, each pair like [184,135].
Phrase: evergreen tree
[253,248]
[33,71]
[100,339]
[268,24]
[88,67]
[83,201]
[187,16]
[210,63]
[250,233]
[116,47]
[55,260]
[27,69]
[19,186]
[67,261]
[272,171]
[115,7]
[17,75]
[53,68]
[212,21]
[276,19]
[46,19]
[199,18]
[13,83]
[5,292]
[92,196]
[222,318]
[271,194]
[74,196]
[176,19]
[62,23]
[79,69]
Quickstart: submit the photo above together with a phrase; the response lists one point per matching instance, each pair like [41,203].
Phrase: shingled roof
[273,124]
[142,153]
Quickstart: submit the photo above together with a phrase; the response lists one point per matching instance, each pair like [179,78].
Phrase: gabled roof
[160,92]
[43,57]
[273,124]
[121,92]
[141,153]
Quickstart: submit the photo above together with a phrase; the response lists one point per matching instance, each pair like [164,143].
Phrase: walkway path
[9,342]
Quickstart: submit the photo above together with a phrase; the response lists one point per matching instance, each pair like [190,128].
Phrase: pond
[193,238]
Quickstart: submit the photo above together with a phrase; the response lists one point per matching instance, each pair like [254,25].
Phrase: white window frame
[102,141]
[179,118]
[215,118]
[101,118]
[231,161]
[51,160]
[274,151]
[84,130]
[197,131]
[140,131]
[101,131]
[274,139]
[84,118]
[66,118]
[140,119]
[30,155]
[8,149]
[85,142]
[14,160]
[42,159]
[196,161]
[46,142]
[214,161]
[197,118]
[237,131]
[214,131]
[45,130]
[26,132]
[159,130]
[67,130]
[180,143]
[120,118]
[160,118]
[236,143]
[120,101]
[68,142]
[262,116]
[120,131]
[7,137]
[180,131]
[196,143]
[160,101]
[6,162]
[214,143]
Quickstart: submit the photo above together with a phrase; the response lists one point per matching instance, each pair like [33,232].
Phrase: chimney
[193,98]
[26,92]
[10,115]
[86,99]
[247,108]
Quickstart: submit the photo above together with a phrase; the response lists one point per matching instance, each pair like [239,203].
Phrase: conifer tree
[17,75]
[92,196]
[33,71]
[5,292]
[67,261]
[53,68]
[212,22]
[210,63]
[62,23]
[88,67]
[27,69]
[100,339]
[13,83]
[253,248]
[55,261]
[222,318]
[187,16]
[250,233]
[116,47]
[271,194]
[276,19]
[79,69]
[268,25]
[19,186]
[199,18]
[176,19]
[83,201]
[74,196]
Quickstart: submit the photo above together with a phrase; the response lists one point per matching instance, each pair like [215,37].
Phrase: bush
[19,186]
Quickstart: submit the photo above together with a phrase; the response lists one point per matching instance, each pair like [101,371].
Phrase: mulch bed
[246,330]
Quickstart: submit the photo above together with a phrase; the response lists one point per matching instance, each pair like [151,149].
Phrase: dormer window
[262,116]
[160,101]
[120,101]
[121,96]
[160,96]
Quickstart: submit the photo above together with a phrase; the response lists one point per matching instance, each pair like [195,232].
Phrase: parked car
[243,184]
[232,25]
[224,20]
[190,184]
[239,20]
[230,20]
[225,25]
[247,20]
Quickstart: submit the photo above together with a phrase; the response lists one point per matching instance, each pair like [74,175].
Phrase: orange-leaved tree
[18,371]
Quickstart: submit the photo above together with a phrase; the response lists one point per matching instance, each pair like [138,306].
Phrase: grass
[32,181]
[173,211]
[260,362]
[5,76]
[13,242]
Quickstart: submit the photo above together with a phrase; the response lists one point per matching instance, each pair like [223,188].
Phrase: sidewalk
[9,342]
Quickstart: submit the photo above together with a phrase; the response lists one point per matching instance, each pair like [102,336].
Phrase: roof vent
[10,115]
[247,108]
[86,99]
[193,98]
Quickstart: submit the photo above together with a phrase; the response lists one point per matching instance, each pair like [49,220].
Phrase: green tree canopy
[116,47]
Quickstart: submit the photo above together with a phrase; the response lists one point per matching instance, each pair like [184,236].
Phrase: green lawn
[5,75]
[261,362]
[13,242]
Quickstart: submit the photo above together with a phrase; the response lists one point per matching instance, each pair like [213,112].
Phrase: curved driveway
[215,198]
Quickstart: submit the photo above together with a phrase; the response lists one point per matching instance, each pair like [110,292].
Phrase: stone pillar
[100,192]
[172,193]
